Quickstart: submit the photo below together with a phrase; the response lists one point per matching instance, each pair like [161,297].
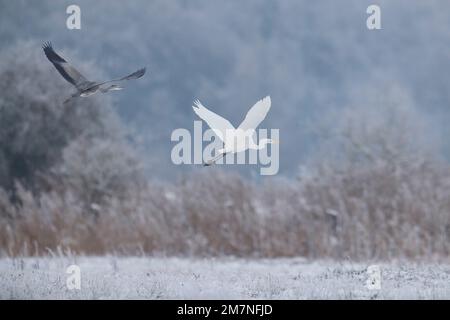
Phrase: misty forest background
[363,118]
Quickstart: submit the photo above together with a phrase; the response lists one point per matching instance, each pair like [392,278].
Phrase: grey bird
[84,87]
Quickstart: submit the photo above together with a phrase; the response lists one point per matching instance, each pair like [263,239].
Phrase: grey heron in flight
[84,87]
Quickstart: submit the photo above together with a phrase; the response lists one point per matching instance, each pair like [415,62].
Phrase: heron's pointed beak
[276,141]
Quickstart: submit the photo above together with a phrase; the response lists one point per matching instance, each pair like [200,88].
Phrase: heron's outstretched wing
[218,124]
[135,75]
[256,114]
[65,69]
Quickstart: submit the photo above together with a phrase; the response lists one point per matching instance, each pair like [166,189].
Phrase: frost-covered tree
[380,181]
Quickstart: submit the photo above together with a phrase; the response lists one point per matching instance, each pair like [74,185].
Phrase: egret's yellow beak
[275,141]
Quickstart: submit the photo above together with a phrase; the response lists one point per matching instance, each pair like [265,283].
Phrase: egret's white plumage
[236,139]
[85,88]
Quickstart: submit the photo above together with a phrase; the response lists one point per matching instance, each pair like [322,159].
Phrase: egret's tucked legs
[213,160]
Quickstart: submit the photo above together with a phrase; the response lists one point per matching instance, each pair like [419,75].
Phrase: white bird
[236,139]
[84,87]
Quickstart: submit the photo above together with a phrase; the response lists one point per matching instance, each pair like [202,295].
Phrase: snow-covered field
[181,278]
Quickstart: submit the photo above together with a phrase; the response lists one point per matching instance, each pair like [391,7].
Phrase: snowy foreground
[179,278]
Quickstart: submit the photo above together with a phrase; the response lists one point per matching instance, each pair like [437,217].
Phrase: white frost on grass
[181,278]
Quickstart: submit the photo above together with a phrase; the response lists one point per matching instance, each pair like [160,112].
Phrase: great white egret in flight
[236,139]
[84,87]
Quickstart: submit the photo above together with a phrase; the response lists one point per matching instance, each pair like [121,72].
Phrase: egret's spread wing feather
[65,69]
[218,124]
[256,114]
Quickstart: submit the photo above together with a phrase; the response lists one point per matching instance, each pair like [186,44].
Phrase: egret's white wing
[256,114]
[218,124]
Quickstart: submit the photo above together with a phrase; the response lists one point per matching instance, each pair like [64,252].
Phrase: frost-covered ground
[181,278]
